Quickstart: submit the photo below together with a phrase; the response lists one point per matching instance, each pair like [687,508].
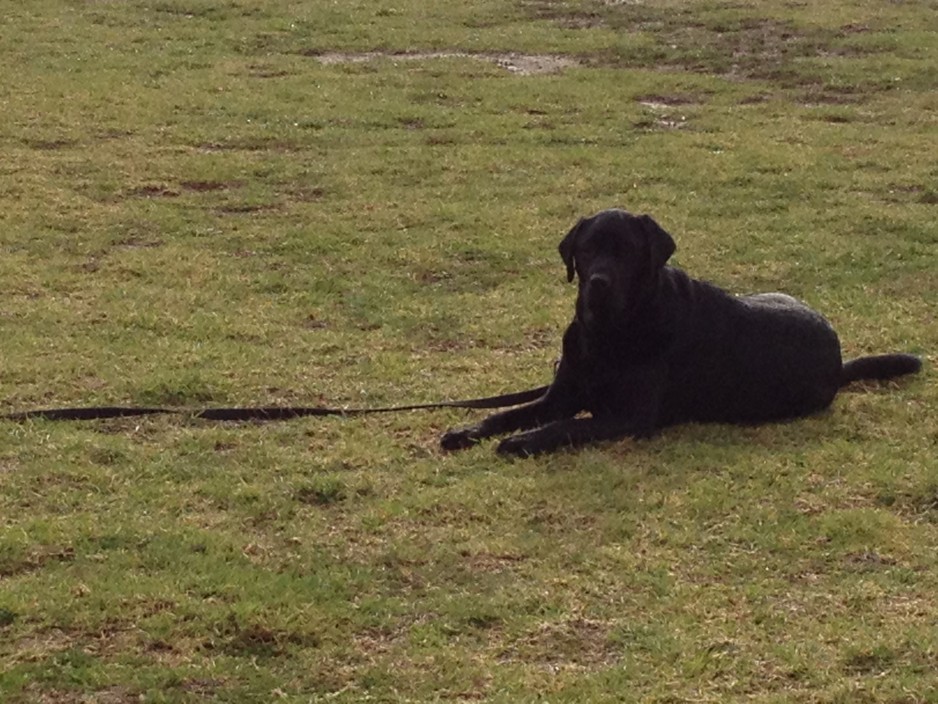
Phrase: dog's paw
[458,439]
[517,446]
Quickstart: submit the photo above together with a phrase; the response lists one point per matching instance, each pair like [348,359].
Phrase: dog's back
[743,359]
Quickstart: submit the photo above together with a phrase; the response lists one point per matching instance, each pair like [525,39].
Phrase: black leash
[262,413]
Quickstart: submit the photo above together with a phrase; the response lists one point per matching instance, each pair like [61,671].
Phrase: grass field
[217,202]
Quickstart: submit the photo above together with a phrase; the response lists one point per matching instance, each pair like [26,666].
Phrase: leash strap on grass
[268,412]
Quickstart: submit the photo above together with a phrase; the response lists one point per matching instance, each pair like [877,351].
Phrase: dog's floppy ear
[660,244]
[567,245]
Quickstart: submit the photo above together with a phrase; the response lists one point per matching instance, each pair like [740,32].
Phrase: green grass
[198,210]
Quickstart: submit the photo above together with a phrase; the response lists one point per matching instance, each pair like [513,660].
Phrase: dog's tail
[880,366]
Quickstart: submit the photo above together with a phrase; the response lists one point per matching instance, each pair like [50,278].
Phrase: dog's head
[617,257]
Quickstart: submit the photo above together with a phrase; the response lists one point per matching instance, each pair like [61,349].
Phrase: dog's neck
[634,334]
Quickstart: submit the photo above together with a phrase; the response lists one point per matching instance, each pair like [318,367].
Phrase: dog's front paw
[458,439]
[521,445]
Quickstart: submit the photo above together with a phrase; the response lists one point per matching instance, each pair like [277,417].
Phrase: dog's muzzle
[598,291]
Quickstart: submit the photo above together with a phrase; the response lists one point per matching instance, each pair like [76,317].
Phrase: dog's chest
[613,372]
[613,384]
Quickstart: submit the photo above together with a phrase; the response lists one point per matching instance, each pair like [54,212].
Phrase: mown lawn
[217,202]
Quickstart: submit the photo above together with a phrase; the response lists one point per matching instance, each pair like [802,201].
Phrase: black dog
[650,347]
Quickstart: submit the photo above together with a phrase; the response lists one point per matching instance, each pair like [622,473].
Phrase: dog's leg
[560,401]
[570,433]
[639,419]
[528,416]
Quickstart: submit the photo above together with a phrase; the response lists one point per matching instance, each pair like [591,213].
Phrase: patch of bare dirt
[134,242]
[575,643]
[489,562]
[203,186]
[658,101]
[50,144]
[36,559]
[665,111]
[154,191]
[520,64]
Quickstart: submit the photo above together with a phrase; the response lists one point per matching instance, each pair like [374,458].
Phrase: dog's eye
[586,249]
